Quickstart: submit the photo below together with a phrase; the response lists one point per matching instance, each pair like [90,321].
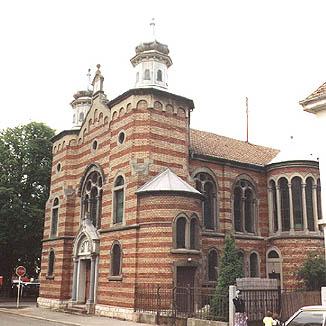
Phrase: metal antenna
[88,79]
[247,118]
[152,25]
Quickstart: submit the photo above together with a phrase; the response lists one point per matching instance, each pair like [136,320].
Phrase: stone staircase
[76,310]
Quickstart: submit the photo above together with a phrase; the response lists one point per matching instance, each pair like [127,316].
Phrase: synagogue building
[138,196]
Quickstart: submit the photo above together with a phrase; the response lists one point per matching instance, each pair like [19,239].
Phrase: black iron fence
[184,302]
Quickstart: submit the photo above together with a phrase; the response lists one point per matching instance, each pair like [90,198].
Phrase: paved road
[16,320]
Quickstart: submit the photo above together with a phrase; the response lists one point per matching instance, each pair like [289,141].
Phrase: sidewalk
[29,309]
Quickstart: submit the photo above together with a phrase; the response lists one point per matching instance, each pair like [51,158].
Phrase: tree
[231,268]
[313,272]
[25,168]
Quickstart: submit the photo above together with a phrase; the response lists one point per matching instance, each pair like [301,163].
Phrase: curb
[38,317]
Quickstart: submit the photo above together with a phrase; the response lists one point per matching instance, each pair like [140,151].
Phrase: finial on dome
[152,25]
[98,66]
[98,80]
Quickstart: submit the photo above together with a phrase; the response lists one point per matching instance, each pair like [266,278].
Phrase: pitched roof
[320,91]
[167,181]
[206,143]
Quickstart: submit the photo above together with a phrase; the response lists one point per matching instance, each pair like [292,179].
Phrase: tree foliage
[25,166]
[313,272]
[231,268]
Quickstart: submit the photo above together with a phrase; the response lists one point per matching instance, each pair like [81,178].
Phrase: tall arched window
[241,257]
[159,75]
[54,217]
[297,203]
[194,233]
[147,74]
[181,232]
[212,265]
[118,199]
[244,206]
[320,215]
[81,116]
[51,263]
[206,185]
[309,204]
[285,204]
[92,198]
[254,267]
[116,259]
[274,205]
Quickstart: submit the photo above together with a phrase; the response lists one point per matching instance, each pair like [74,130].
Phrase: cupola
[151,63]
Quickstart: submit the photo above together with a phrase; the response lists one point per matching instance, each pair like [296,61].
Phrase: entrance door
[87,278]
[185,289]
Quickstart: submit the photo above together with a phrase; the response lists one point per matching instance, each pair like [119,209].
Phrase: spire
[98,81]
[151,63]
[89,84]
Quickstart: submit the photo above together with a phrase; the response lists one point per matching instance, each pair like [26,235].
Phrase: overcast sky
[273,52]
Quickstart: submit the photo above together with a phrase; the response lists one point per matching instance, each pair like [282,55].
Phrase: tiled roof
[321,90]
[167,181]
[210,144]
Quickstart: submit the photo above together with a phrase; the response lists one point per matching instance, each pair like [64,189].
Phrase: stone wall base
[54,304]
[202,322]
[116,312]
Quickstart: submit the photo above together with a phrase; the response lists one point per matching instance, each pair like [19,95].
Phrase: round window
[121,137]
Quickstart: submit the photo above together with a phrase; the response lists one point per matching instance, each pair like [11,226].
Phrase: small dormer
[151,64]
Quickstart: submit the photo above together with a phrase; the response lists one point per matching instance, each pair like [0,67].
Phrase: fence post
[158,305]
[323,296]
[232,289]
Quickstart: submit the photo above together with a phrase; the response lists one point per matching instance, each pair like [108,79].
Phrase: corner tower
[151,64]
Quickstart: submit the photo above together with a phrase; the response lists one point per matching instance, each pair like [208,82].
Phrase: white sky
[222,51]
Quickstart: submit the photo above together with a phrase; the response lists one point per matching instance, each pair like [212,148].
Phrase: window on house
[137,77]
[147,75]
[244,207]
[242,260]
[81,116]
[253,261]
[54,218]
[206,185]
[274,205]
[297,203]
[116,260]
[285,204]
[193,233]
[309,204]
[92,198]
[159,75]
[51,263]
[181,232]
[273,254]
[212,265]
[118,195]
[320,216]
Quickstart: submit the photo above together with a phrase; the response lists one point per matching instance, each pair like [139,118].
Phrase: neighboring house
[137,196]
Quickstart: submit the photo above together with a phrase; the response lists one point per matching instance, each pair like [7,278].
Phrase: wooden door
[87,278]
[185,289]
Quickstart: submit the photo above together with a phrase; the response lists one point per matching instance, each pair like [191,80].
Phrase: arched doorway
[274,266]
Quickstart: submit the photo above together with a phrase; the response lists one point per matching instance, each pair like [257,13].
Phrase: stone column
[279,217]
[92,280]
[74,281]
[271,227]
[304,208]
[315,207]
[291,209]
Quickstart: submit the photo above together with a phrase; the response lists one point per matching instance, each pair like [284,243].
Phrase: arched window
[253,262]
[320,215]
[159,75]
[116,258]
[274,205]
[212,265]
[51,263]
[206,185]
[54,218]
[241,257]
[194,233]
[92,198]
[309,204]
[244,206]
[147,75]
[81,116]
[118,199]
[181,232]
[137,77]
[285,204]
[297,203]
[273,254]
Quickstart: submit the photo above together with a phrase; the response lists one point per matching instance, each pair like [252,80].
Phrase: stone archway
[86,248]
[274,265]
